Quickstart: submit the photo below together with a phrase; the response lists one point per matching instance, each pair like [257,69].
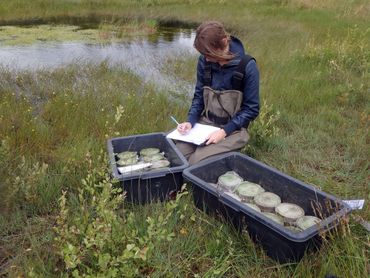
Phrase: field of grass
[60,212]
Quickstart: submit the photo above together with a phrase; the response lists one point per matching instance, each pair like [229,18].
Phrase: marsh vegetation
[61,214]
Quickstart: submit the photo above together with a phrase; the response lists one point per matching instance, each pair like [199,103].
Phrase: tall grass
[314,63]
[50,122]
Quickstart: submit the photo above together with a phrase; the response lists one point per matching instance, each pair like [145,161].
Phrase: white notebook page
[197,135]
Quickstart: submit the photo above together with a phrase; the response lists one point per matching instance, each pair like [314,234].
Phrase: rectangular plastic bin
[280,243]
[146,186]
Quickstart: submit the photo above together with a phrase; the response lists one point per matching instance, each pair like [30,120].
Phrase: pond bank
[150,53]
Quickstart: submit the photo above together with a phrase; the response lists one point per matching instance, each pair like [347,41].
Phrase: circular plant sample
[307,221]
[229,181]
[290,212]
[160,164]
[126,155]
[267,201]
[149,151]
[153,157]
[248,190]
[127,161]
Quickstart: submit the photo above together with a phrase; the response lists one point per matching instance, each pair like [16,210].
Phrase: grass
[314,64]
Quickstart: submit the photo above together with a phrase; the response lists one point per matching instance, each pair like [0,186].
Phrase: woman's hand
[184,128]
[216,136]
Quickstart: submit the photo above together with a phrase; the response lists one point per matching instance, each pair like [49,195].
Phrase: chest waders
[219,108]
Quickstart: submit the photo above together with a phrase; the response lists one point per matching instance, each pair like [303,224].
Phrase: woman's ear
[225,42]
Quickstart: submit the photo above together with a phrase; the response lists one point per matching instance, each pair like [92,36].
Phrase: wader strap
[223,108]
[237,80]
[207,74]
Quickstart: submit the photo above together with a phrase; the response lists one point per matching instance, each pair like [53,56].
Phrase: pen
[173,119]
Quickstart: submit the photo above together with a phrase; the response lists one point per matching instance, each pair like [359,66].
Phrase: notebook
[197,135]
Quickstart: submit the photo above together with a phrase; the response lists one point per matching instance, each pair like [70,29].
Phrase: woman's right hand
[184,128]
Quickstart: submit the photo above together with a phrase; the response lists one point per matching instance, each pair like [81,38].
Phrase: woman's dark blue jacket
[221,80]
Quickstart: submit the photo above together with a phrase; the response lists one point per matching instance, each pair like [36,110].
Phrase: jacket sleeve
[197,105]
[249,109]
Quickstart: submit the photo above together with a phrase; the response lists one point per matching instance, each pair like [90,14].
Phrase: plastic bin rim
[187,171]
[149,174]
[327,223]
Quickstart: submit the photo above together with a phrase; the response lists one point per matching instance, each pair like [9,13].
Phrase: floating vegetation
[105,33]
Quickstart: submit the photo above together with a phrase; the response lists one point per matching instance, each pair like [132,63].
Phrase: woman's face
[222,51]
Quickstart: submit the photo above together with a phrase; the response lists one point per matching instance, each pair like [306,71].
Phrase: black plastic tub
[146,186]
[280,243]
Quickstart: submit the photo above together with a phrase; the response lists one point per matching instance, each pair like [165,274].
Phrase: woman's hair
[209,40]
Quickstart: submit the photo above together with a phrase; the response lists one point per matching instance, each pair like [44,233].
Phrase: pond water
[145,57]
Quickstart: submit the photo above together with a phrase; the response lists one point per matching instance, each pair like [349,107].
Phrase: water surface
[146,56]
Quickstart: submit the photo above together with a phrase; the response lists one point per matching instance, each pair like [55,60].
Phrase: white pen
[173,119]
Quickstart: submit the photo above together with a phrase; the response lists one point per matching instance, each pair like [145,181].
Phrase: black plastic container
[279,242]
[147,186]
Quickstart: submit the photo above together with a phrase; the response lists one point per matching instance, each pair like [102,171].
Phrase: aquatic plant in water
[105,33]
